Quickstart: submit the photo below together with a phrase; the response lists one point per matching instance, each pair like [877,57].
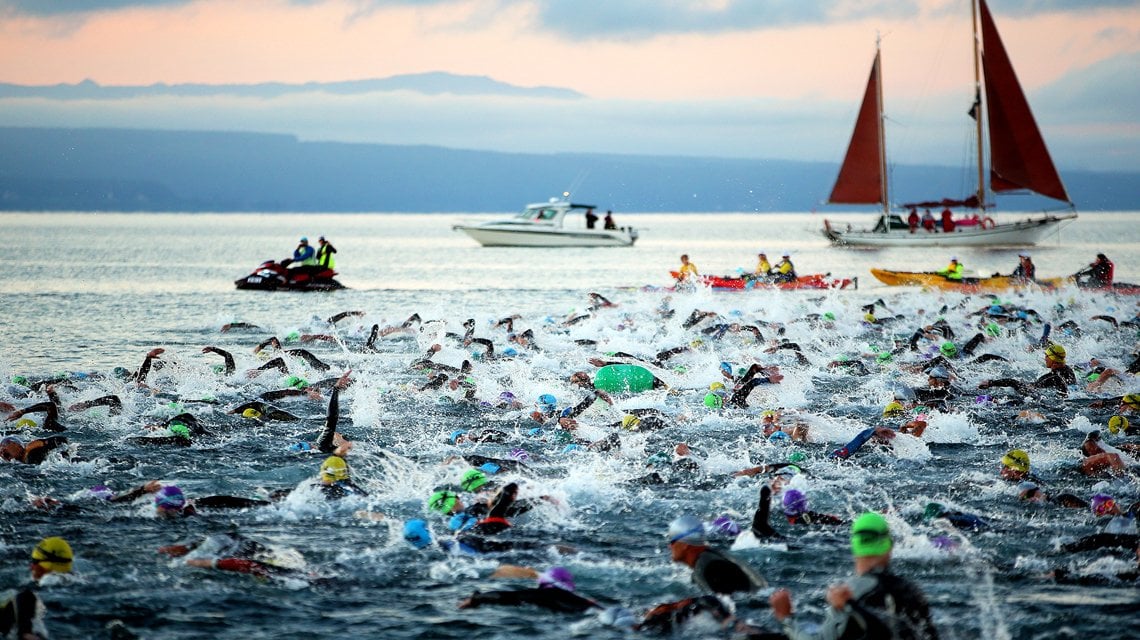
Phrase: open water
[84,293]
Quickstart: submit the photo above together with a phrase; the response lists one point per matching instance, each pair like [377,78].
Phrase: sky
[777,79]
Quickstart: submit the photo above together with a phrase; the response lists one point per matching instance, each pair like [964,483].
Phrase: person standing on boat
[953,271]
[1025,270]
[947,220]
[688,270]
[928,221]
[610,224]
[785,271]
[591,218]
[912,220]
[304,254]
[325,254]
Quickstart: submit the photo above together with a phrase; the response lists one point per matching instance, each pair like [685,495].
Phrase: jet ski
[278,276]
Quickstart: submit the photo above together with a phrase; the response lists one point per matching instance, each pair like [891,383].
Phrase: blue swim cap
[510,351]
[566,412]
[779,436]
[490,467]
[301,446]
[572,447]
[417,534]
[726,367]
[458,522]
[547,399]
[534,432]
[455,435]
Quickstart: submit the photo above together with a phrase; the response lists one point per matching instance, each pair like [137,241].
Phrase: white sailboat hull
[1020,233]
[491,235]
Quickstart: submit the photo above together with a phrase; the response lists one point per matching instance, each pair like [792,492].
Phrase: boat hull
[1020,233]
[814,281]
[551,237]
[925,279]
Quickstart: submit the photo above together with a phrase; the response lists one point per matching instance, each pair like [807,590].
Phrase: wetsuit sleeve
[761,528]
[581,407]
[242,566]
[553,599]
[228,502]
[325,444]
[129,496]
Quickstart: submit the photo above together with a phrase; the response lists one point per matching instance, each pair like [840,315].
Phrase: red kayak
[813,281]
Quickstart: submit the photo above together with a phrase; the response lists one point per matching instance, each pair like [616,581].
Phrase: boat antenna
[578,180]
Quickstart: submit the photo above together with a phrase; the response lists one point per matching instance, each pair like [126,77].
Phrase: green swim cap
[884,357]
[828,315]
[563,436]
[994,329]
[296,382]
[713,401]
[219,368]
[659,458]
[1092,377]
[932,511]
[180,429]
[796,456]
[20,380]
[473,479]
[442,501]
[293,336]
[949,349]
[870,536]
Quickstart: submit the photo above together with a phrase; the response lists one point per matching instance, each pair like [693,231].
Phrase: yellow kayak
[930,279]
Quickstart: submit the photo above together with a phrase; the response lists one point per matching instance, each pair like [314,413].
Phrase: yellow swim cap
[25,423]
[630,421]
[1016,459]
[251,413]
[769,414]
[716,386]
[1132,399]
[53,554]
[869,317]
[894,408]
[334,469]
[1116,424]
[1055,351]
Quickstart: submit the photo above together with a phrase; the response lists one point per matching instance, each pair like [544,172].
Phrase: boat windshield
[538,213]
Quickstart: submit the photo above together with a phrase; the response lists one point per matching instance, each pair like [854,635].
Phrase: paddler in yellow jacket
[763,269]
[785,271]
[688,270]
[953,271]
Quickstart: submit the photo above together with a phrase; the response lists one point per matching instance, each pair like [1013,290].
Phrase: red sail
[1018,157]
[860,178]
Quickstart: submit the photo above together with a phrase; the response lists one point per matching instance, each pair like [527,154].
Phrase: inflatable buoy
[617,378]
[988,223]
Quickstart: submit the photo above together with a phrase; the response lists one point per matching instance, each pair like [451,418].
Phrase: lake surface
[84,293]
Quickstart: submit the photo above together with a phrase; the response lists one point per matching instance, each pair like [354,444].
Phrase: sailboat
[1019,161]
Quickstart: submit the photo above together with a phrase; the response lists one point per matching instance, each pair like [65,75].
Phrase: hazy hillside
[135,170]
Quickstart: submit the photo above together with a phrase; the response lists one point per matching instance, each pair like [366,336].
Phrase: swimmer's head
[714,401]
[795,502]
[686,530]
[1016,459]
[53,555]
[1055,352]
[630,422]
[334,469]
[725,525]
[933,510]
[251,414]
[870,536]
[456,435]
[1117,424]
[169,499]
[893,409]
[473,480]
[948,349]
[443,501]
[556,578]
[417,534]
[1103,504]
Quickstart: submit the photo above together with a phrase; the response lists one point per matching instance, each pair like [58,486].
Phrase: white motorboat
[1019,161]
[545,224]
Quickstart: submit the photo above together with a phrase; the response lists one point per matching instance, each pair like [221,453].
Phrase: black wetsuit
[19,614]
[551,598]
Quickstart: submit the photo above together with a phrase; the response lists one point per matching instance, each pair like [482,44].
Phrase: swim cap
[300,446]
[659,458]
[716,386]
[827,315]
[101,492]
[120,372]
[510,351]
[1132,400]
[461,521]
[696,343]
[296,382]
[547,402]
[1026,490]
[870,536]
[779,436]
[1102,504]
[726,367]
[53,554]
[180,430]
[556,578]
[933,510]
[630,422]
[169,498]
[473,479]
[725,525]
[507,396]
[949,349]
[489,467]
[795,502]
[797,456]
[251,413]
[417,534]
[1016,459]
[713,401]
[519,454]
[884,357]
[304,239]
[571,448]
[903,392]
[686,529]
[769,414]
[25,423]
[1117,424]
[893,409]
[293,336]
[994,329]
[334,469]
[938,373]
[455,435]
[787,470]
[869,317]
[1055,351]
[443,501]
[953,258]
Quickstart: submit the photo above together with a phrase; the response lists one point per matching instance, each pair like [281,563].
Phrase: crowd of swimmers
[499,465]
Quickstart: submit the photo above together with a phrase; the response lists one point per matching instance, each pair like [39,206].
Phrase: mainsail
[861,178]
[1018,157]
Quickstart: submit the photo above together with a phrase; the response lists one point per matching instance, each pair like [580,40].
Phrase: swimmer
[228,358]
[714,571]
[51,415]
[555,591]
[1059,376]
[23,613]
[334,481]
[112,402]
[798,511]
[1097,458]
[12,449]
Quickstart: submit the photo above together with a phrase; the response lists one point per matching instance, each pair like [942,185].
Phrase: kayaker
[763,268]
[953,271]
[1098,274]
[784,271]
[1025,270]
[687,270]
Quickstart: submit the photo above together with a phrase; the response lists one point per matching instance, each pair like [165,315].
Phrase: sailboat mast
[885,192]
[978,105]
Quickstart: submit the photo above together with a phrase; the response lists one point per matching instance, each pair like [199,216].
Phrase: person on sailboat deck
[609,221]
[947,220]
[591,218]
[928,221]
[687,268]
[785,271]
[1025,270]
[912,220]
[953,271]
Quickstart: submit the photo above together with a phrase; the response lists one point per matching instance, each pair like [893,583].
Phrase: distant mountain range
[45,169]
[427,83]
